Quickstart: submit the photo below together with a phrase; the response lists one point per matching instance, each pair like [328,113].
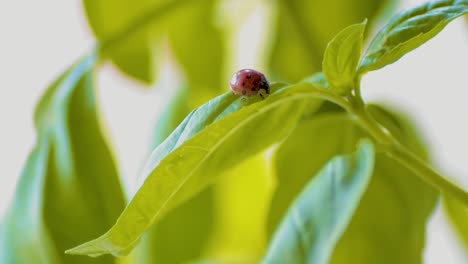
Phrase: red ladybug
[249,82]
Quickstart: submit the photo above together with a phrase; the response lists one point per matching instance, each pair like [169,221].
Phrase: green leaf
[312,143]
[342,57]
[392,235]
[24,237]
[136,52]
[63,180]
[396,234]
[303,29]
[195,154]
[457,213]
[131,34]
[182,235]
[320,214]
[174,239]
[199,48]
[409,30]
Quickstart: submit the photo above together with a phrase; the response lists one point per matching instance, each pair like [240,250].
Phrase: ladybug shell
[248,82]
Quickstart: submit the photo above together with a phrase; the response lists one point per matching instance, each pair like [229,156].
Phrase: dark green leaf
[320,214]
[457,213]
[303,29]
[409,30]
[69,179]
[194,156]
[342,57]
[395,234]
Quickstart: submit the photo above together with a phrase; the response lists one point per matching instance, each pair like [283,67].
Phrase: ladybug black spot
[248,76]
[243,84]
[244,92]
[255,83]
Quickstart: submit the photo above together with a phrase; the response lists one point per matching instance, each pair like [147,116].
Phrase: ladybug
[248,82]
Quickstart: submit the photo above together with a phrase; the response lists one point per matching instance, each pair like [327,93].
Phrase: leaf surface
[69,179]
[409,30]
[195,154]
[320,214]
[342,58]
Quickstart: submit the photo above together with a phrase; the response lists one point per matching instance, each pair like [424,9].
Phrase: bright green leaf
[303,29]
[194,156]
[320,214]
[181,235]
[342,57]
[135,54]
[198,47]
[69,179]
[409,30]
[457,213]
[131,34]
[174,239]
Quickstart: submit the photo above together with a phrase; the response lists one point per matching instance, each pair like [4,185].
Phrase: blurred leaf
[389,224]
[69,179]
[320,214]
[342,57]
[179,107]
[242,198]
[131,33]
[24,237]
[312,143]
[457,213]
[303,29]
[409,30]
[136,52]
[199,48]
[396,234]
[194,155]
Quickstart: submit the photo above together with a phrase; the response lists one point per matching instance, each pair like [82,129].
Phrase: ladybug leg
[263,93]
[243,99]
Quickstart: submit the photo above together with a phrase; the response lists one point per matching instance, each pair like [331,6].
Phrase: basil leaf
[195,154]
[457,213]
[174,239]
[69,179]
[320,214]
[131,33]
[342,57]
[409,30]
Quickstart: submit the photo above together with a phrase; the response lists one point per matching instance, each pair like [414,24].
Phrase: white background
[39,39]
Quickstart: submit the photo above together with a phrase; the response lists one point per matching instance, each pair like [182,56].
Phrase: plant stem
[401,154]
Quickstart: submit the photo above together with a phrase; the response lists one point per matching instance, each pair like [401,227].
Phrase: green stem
[372,126]
[401,154]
